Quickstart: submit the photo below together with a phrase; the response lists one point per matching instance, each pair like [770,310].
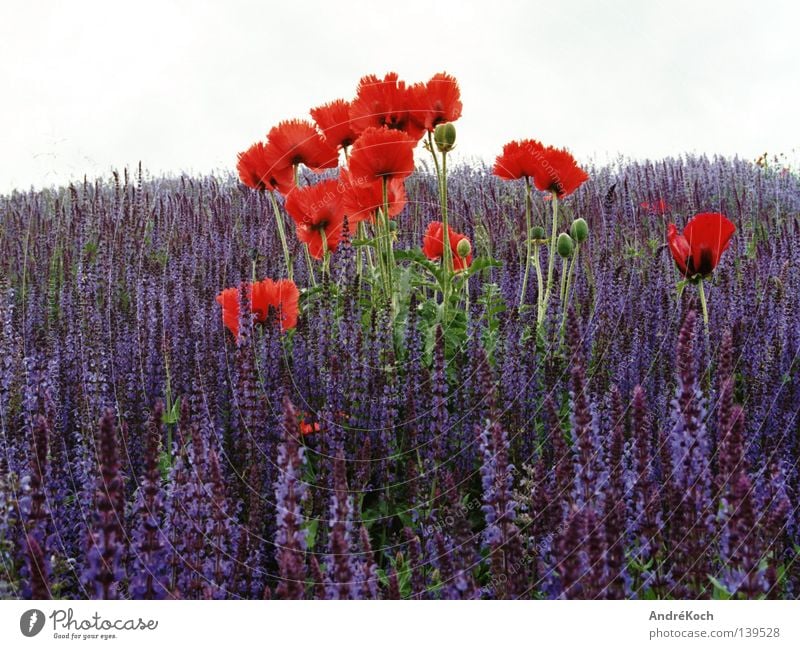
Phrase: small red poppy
[433,246]
[281,295]
[384,102]
[333,120]
[381,153]
[318,211]
[697,251]
[257,170]
[436,102]
[363,200]
[659,207]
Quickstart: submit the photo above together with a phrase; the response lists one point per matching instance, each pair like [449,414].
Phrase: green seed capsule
[537,233]
[445,137]
[464,248]
[579,230]
[565,246]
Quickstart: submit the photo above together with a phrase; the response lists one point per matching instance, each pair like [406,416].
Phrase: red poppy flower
[381,153]
[362,200]
[697,251]
[436,102]
[660,207]
[562,173]
[257,170]
[519,159]
[551,169]
[386,103]
[296,141]
[318,212]
[307,428]
[433,247]
[333,120]
[281,295]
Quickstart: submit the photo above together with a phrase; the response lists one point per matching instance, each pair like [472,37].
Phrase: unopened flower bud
[393,226]
[464,248]
[537,233]
[579,230]
[445,137]
[565,246]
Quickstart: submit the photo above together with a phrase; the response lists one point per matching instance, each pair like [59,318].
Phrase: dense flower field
[401,418]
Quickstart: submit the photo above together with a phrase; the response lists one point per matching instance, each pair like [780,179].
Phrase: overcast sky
[182,86]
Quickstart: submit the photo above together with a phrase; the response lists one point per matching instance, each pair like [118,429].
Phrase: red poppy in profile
[295,142]
[436,102]
[385,102]
[257,170]
[433,246]
[281,296]
[362,200]
[380,153]
[697,251]
[318,212]
[333,120]
[552,170]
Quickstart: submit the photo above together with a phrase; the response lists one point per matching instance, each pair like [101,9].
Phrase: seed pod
[565,246]
[579,230]
[445,137]
[464,248]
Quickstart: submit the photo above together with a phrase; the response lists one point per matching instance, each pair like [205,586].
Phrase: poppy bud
[565,245]
[445,137]
[579,230]
[464,248]
[537,233]
[393,226]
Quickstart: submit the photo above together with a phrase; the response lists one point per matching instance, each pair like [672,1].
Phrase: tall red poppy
[318,212]
[697,251]
[551,169]
[282,296]
[296,141]
[380,153]
[333,120]
[384,102]
[436,102]
[257,170]
[363,199]
[433,246]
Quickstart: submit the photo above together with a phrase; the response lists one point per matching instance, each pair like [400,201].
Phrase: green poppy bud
[464,248]
[565,246]
[538,234]
[579,230]
[393,226]
[445,137]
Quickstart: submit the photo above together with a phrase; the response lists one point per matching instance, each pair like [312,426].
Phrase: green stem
[551,257]
[539,284]
[703,304]
[564,263]
[568,288]
[447,253]
[389,247]
[310,265]
[282,235]
[528,246]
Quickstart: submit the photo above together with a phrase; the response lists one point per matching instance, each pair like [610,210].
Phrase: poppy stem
[539,283]
[562,290]
[703,305]
[447,253]
[282,235]
[568,289]
[389,247]
[551,253]
[528,250]
[310,265]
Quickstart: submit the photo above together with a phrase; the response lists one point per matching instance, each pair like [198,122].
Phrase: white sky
[182,86]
